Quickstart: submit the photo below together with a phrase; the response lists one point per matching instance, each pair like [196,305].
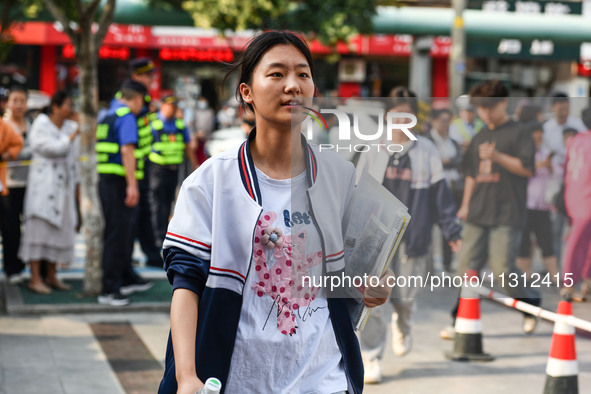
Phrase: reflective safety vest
[463,130]
[147,97]
[144,145]
[107,147]
[168,148]
[145,137]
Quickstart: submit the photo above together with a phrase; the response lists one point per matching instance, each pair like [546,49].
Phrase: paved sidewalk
[124,353]
[66,354]
[122,350]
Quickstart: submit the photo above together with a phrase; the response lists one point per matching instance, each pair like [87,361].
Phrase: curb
[85,308]
[14,305]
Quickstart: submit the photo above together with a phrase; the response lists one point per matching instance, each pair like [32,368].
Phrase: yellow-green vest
[107,147]
[167,148]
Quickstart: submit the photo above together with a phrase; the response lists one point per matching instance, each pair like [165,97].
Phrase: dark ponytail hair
[57,99]
[255,50]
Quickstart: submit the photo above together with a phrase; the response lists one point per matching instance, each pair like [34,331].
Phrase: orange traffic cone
[468,327]
[562,368]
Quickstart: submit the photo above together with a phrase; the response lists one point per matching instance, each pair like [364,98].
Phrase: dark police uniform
[168,151]
[116,129]
[143,229]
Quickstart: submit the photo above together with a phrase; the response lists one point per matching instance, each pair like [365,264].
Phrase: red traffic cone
[562,368]
[468,327]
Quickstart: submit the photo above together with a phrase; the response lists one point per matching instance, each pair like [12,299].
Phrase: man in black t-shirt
[497,165]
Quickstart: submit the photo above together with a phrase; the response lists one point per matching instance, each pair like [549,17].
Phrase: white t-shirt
[285,341]
[553,139]
[447,150]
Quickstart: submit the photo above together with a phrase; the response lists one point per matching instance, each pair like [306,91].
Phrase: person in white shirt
[467,124]
[554,127]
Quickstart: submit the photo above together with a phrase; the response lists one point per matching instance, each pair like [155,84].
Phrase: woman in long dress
[50,204]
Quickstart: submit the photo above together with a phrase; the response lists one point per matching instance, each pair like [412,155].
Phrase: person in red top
[577,197]
[11,144]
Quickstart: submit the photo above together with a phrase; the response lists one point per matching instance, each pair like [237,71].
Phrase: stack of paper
[374,223]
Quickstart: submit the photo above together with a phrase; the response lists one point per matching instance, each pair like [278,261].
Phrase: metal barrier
[534,310]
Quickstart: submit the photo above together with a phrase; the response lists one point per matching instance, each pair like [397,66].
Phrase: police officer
[119,171]
[143,71]
[467,124]
[171,143]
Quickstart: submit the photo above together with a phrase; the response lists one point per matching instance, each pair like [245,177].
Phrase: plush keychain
[273,238]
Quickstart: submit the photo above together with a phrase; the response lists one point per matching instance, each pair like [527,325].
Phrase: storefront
[193,62]
[371,65]
[50,63]
[535,46]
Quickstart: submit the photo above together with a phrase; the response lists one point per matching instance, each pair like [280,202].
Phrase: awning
[483,25]
[176,37]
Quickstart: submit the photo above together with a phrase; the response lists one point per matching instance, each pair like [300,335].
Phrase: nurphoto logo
[359,129]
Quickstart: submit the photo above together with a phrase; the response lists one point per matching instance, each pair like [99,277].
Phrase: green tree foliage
[14,11]
[235,14]
[333,20]
[329,20]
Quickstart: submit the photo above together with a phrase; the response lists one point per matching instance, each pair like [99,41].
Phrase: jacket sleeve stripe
[187,239]
[188,244]
[227,270]
[335,259]
[335,254]
[227,276]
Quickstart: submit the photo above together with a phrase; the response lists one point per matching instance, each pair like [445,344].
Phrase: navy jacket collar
[248,173]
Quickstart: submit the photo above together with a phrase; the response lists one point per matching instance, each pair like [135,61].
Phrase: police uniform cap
[170,99]
[130,84]
[142,65]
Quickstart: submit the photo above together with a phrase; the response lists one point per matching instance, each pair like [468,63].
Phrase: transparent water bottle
[212,386]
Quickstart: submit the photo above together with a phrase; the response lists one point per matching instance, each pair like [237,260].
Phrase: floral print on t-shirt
[282,280]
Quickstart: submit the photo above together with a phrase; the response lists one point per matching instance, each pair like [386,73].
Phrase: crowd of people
[40,211]
[509,179]
[488,178]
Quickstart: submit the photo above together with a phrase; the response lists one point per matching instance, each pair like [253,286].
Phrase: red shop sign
[196,55]
[105,52]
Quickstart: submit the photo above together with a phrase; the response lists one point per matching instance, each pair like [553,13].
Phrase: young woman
[16,181]
[50,205]
[247,225]
[537,219]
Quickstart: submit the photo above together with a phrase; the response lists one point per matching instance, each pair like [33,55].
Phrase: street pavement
[124,353]
[88,353]
[520,360]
